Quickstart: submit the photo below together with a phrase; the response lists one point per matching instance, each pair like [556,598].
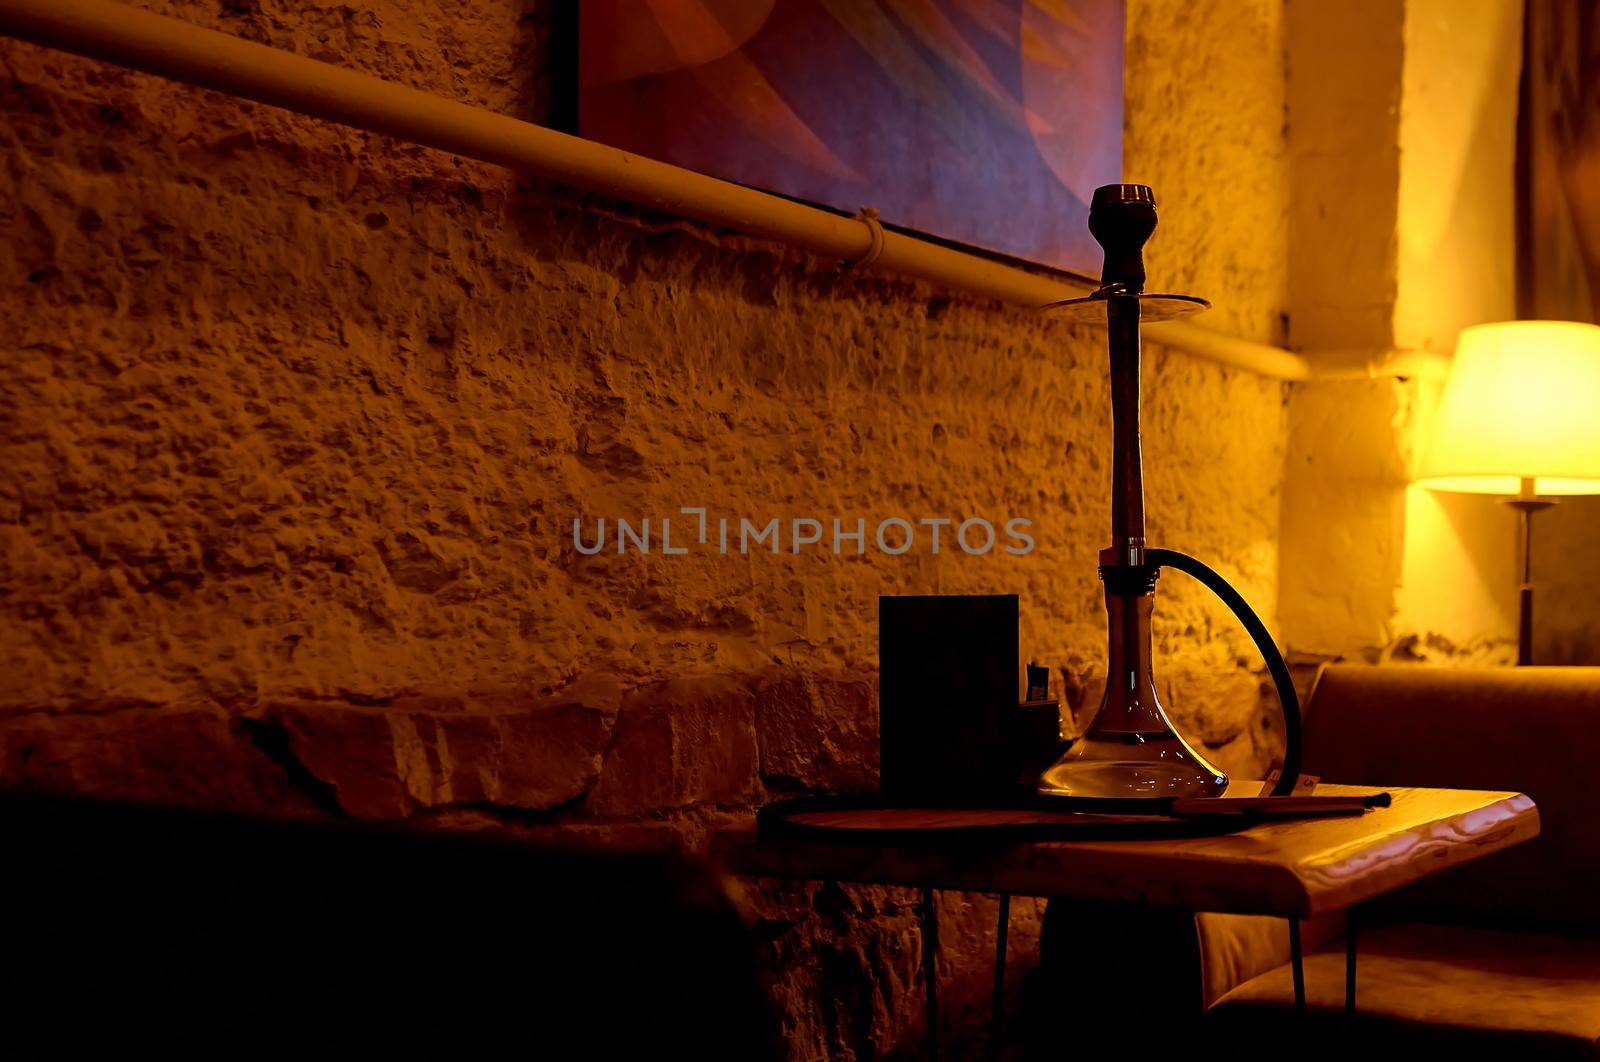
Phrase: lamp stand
[1526,503]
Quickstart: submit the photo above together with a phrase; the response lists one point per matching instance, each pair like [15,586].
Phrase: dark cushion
[1532,730]
[1423,990]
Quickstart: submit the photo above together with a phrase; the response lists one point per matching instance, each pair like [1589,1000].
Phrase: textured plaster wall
[1204,127]
[296,420]
[1401,234]
[1344,170]
[1465,83]
[1457,255]
[1343,516]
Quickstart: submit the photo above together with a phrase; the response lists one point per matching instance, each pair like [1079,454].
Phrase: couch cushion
[1424,987]
[1534,730]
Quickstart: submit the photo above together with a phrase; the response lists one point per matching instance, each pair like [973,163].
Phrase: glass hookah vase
[1130,751]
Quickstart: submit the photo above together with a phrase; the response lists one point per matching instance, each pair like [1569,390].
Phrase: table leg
[930,976]
[1297,960]
[997,1002]
[1350,963]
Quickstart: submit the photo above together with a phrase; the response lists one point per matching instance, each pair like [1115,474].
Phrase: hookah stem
[1127,471]
[1127,480]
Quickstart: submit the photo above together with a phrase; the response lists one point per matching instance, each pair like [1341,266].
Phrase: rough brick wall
[296,419]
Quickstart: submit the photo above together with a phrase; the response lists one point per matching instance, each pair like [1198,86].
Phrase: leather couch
[1499,956]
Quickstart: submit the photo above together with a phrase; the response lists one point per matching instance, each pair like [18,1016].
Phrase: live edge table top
[1298,867]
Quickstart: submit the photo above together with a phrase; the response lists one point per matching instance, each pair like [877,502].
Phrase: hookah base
[1144,769]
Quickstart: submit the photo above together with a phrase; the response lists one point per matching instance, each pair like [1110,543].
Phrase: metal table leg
[1350,963]
[1297,959]
[930,975]
[997,1002]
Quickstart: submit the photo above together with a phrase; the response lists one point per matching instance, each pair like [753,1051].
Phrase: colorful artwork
[985,122]
[1559,246]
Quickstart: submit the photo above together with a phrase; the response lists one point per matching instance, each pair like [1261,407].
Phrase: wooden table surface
[1298,867]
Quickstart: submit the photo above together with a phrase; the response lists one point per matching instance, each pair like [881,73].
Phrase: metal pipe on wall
[181,51]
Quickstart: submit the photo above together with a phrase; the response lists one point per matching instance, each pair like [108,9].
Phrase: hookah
[1131,774]
[1131,758]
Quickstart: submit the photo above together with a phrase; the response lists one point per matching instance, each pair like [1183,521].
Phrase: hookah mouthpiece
[1121,219]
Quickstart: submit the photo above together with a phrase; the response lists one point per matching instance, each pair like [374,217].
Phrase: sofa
[1500,957]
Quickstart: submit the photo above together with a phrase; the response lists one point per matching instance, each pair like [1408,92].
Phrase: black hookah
[1131,758]
[1131,774]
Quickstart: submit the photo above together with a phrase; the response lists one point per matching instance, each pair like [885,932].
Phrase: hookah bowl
[1131,757]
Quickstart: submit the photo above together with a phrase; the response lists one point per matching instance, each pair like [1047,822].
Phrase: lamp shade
[1522,401]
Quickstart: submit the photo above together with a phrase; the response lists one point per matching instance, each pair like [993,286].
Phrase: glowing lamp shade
[1522,402]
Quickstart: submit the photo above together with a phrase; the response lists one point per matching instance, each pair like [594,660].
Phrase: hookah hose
[889,821]
[1289,773]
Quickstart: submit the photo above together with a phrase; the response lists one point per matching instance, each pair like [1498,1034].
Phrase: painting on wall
[1559,164]
[983,122]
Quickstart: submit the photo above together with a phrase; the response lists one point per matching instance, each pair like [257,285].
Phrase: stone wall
[296,420]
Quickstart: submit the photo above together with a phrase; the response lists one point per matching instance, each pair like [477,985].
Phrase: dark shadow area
[141,928]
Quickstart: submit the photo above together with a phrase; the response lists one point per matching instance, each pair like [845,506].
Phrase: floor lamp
[1520,416]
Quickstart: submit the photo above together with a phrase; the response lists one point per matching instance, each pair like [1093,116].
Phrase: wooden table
[1291,868]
